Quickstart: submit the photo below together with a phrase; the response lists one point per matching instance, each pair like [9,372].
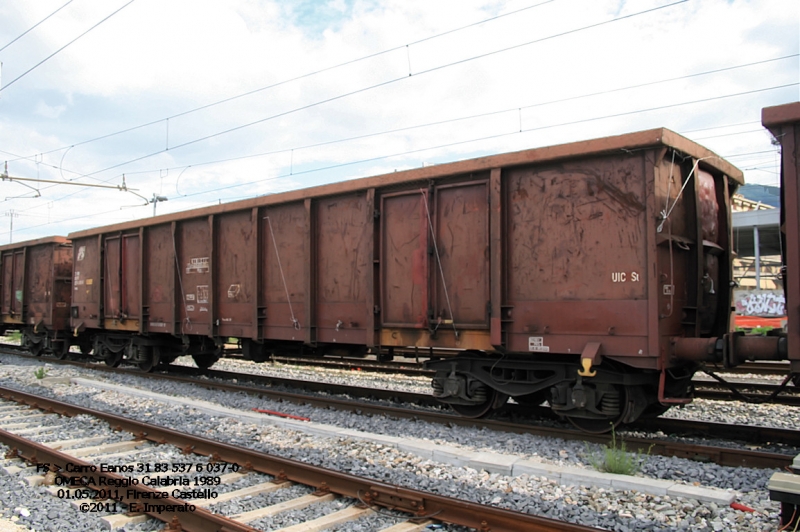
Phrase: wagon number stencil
[536,343]
[202,293]
[198,265]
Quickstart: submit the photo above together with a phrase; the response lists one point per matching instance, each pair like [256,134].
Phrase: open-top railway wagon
[596,276]
[35,289]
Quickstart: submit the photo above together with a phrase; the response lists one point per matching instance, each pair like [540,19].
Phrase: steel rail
[370,492]
[721,455]
[414,367]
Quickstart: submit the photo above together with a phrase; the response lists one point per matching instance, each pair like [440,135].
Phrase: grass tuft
[616,459]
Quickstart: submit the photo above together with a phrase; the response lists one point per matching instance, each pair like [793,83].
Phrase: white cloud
[49,111]
[155,59]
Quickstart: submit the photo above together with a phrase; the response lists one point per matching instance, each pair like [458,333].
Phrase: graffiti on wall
[770,303]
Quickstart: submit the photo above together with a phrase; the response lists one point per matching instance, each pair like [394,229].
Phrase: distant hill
[765,194]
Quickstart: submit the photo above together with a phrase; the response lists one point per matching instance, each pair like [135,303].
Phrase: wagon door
[8,284]
[343,259]
[159,280]
[18,285]
[404,260]
[40,283]
[434,259]
[122,288]
[461,288]
[131,296]
[62,286]
[12,286]
[282,306]
[85,279]
[112,273]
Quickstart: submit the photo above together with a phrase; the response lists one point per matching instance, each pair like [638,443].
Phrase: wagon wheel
[151,358]
[494,400]
[603,425]
[113,359]
[206,360]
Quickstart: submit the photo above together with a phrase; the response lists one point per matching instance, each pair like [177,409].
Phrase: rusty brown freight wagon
[35,288]
[783,121]
[595,275]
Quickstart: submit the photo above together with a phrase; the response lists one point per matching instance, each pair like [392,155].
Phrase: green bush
[40,373]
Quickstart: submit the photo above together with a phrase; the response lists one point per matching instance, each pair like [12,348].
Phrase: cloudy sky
[203,101]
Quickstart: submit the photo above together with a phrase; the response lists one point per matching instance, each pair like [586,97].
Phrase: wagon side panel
[112,278]
[784,123]
[235,265]
[404,260]
[194,275]
[8,286]
[343,251]
[86,283]
[131,277]
[62,286]
[284,261]
[39,291]
[159,291]
[577,256]
[461,256]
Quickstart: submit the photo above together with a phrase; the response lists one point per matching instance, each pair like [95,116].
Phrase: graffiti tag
[761,303]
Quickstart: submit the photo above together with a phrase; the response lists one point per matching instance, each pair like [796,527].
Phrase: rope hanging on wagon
[180,283]
[439,262]
[666,212]
[295,323]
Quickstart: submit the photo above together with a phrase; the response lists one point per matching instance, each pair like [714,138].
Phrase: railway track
[412,365]
[754,392]
[109,483]
[515,419]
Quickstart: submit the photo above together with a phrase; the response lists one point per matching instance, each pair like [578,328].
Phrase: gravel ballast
[614,510]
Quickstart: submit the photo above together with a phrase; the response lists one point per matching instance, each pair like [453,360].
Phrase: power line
[490,137]
[34,26]
[388,82]
[363,89]
[480,115]
[485,115]
[60,49]
[303,76]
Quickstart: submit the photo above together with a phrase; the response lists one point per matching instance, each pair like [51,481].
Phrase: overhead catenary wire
[184,167]
[495,112]
[441,66]
[62,48]
[385,83]
[304,76]
[35,26]
[482,115]
[515,131]
[451,144]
